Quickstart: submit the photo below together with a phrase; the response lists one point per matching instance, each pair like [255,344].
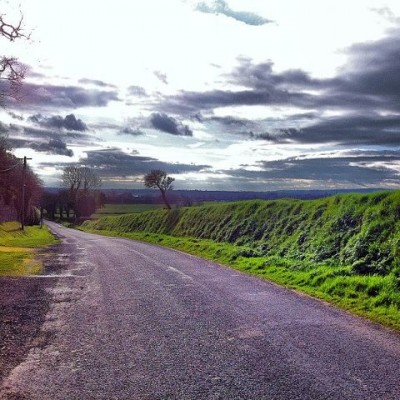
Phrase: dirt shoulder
[24,303]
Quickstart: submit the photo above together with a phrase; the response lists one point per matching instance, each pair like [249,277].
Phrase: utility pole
[23,193]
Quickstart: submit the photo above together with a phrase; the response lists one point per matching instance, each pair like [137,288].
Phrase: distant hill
[187,197]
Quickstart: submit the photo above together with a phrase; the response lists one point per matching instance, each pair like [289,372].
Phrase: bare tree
[12,72]
[158,178]
[82,184]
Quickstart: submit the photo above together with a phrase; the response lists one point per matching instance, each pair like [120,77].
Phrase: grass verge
[18,248]
[373,296]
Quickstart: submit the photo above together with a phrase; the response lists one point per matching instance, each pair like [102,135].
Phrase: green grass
[344,249]
[119,209]
[362,231]
[18,248]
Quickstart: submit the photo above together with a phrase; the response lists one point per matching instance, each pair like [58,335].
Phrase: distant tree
[158,178]
[82,185]
[101,199]
[49,202]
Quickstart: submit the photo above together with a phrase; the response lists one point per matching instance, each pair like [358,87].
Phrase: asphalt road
[129,320]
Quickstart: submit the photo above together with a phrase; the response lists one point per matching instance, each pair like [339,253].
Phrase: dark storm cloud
[53,146]
[345,130]
[360,169]
[374,69]
[31,134]
[54,96]
[262,76]
[70,122]
[165,123]
[188,103]
[137,91]
[221,7]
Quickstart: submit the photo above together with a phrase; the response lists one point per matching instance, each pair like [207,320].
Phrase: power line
[10,168]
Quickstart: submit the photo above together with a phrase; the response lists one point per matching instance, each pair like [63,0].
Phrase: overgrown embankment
[344,248]
[17,248]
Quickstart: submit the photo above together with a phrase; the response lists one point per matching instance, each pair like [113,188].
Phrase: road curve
[129,320]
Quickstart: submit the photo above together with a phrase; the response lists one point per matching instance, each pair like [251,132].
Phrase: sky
[223,95]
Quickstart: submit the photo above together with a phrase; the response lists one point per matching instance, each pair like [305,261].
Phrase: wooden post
[23,193]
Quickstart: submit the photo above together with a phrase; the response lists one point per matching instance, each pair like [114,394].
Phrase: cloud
[15,116]
[358,169]
[230,121]
[221,7]
[30,136]
[165,123]
[361,105]
[387,13]
[188,103]
[34,96]
[131,131]
[374,70]
[257,84]
[262,76]
[114,161]
[345,130]
[137,91]
[96,82]
[161,76]
[70,122]
[3,128]
[53,146]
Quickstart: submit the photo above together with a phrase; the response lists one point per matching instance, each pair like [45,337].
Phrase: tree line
[79,197]
[13,204]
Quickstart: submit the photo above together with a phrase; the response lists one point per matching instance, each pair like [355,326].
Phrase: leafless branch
[12,32]
[12,74]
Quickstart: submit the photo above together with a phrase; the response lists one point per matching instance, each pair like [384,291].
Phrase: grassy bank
[18,248]
[344,249]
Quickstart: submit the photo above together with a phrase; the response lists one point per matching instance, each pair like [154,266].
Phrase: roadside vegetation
[18,248]
[344,249]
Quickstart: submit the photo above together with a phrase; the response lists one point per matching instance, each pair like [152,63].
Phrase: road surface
[129,320]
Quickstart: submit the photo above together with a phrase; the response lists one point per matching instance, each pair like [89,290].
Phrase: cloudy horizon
[222,94]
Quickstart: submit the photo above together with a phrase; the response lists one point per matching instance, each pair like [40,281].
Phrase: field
[120,209]
[344,249]
[18,248]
